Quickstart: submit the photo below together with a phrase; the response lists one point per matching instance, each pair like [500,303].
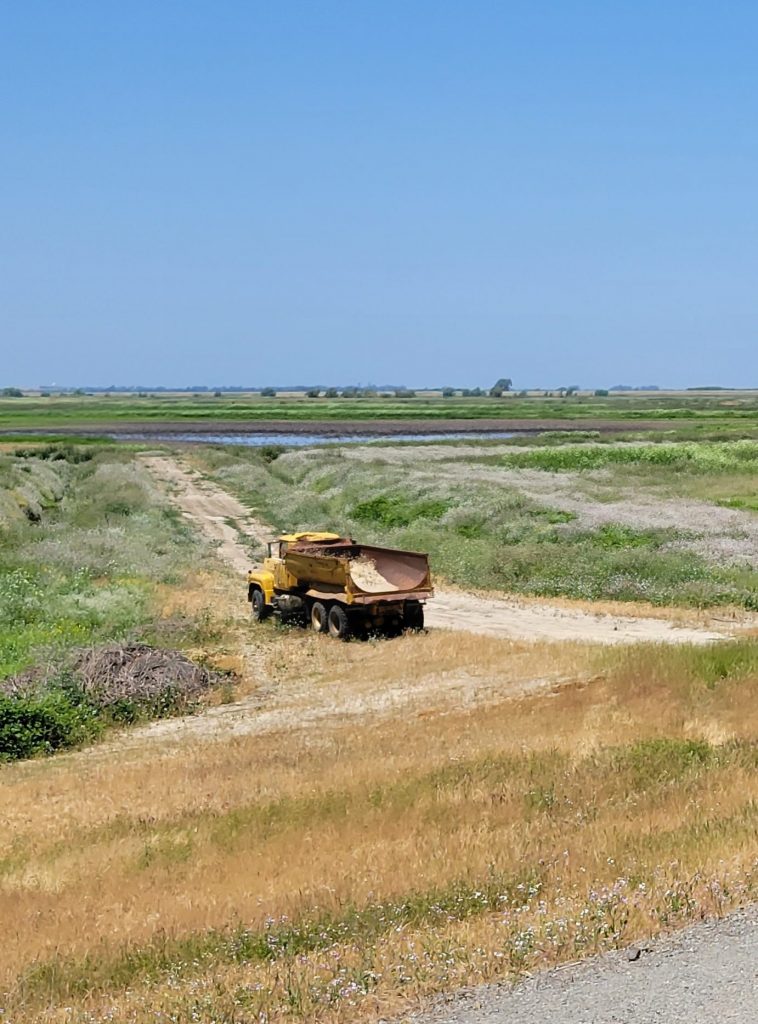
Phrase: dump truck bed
[364,572]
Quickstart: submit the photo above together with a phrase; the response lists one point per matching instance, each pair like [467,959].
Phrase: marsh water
[307,440]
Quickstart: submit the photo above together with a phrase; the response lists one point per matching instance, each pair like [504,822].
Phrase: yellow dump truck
[340,587]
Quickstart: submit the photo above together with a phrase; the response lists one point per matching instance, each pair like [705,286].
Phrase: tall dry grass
[526,803]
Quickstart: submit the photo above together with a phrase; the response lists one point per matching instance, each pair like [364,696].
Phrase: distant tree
[331,393]
[268,392]
[448,392]
[572,389]
[601,392]
[350,393]
[523,394]
[12,393]
[78,391]
[313,393]
[502,385]
[476,393]
[405,393]
[217,394]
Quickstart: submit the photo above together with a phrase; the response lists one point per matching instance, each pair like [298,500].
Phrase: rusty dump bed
[365,572]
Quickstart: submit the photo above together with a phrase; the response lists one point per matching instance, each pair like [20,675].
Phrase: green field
[97,411]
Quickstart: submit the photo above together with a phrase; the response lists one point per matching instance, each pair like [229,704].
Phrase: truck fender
[260,581]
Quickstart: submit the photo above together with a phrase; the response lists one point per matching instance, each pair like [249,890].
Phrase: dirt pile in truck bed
[364,572]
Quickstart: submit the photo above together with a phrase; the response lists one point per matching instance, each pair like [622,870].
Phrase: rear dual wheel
[413,619]
[338,622]
[319,617]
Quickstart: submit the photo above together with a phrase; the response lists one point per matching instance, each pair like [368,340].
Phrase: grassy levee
[630,522]
[88,548]
[346,869]
[94,410]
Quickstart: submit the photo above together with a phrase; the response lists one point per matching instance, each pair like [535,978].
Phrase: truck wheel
[319,617]
[414,617]
[258,608]
[339,624]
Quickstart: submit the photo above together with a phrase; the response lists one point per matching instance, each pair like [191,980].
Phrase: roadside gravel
[706,974]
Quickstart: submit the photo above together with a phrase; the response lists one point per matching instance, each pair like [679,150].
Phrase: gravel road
[706,974]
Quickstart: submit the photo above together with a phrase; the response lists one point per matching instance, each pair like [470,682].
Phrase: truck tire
[413,619]
[339,624]
[319,617]
[258,607]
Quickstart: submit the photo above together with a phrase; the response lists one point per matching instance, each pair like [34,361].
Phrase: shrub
[56,453]
[271,452]
[268,392]
[392,511]
[43,723]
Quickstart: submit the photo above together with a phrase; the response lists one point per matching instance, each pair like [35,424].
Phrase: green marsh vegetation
[665,523]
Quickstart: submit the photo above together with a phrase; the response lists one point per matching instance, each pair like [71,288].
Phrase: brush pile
[114,673]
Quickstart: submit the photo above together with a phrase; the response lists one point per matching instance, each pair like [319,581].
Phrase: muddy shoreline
[335,428]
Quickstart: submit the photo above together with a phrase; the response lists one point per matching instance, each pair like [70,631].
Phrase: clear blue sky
[428,192]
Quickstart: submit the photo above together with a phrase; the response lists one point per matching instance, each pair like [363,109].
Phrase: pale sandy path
[212,509]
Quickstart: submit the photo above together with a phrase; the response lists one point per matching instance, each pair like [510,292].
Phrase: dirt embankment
[225,520]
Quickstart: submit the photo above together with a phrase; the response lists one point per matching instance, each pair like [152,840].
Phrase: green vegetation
[41,724]
[720,410]
[483,529]
[85,540]
[739,456]
[397,511]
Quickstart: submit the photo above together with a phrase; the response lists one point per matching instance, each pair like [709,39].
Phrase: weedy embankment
[89,552]
[667,524]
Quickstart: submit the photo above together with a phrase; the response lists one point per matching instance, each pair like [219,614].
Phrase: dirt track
[226,521]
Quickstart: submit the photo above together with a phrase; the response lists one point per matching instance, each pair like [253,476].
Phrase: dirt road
[702,975]
[240,538]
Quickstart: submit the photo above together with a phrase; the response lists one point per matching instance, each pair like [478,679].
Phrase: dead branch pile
[115,672]
[138,672]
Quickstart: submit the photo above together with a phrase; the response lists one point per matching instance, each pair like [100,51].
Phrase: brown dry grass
[435,761]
